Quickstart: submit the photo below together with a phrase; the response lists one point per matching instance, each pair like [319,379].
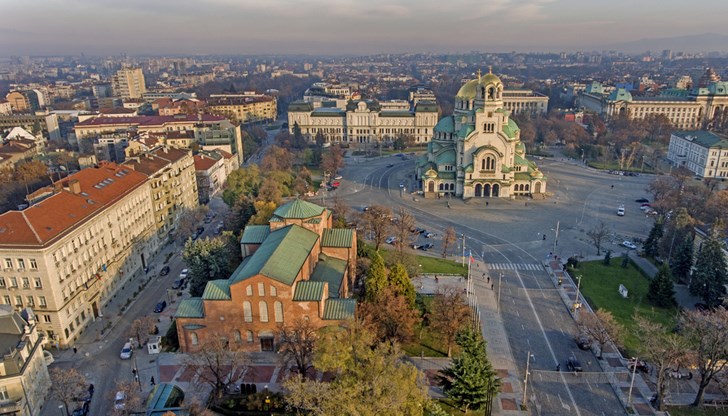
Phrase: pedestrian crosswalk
[515,266]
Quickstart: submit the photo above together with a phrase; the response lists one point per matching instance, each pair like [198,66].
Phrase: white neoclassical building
[477,151]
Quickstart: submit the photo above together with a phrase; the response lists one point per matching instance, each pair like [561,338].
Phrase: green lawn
[693,411]
[440,265]
[600,285]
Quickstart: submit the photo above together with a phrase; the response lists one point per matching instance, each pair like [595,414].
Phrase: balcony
[11,406]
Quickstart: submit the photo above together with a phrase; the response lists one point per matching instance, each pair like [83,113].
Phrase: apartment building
[210,173]
[67,254]
[702,152]
[128,83]
[24,379]
[171,174]
[244,107]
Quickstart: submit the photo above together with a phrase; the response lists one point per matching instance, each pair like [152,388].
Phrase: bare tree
[141,328]
[219,363]
[448,240]
[67,385]
[390,316]
[296,345]
[377,221]
[189,220]
[662,349]
[333,160]
[450,314]
[132,400]
[707,337]
[340,210]
[598,234]
[404,223]
[601,327]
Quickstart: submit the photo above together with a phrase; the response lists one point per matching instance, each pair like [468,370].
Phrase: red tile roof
[148,120]
[204,162]
[45,221]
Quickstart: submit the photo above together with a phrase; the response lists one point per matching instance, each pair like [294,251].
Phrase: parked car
[641,366]
[630,245]
[200,230]
[574,365]
[620,211]
[177,284]
[391,240]
[164,271]
[120,400]
[415,246]
[338,177]
[81,411]
[642,200]
[126,351]
[391,165]
[336,184]
[183,273]
[428,235]
[427,246]
[160,306]
[583,342]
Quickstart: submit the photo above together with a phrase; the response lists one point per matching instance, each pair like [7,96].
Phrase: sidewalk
[498,347]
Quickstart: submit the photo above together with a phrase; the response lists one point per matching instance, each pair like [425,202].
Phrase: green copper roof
[469,168]
[505,169]
[465,130]
[396,113]
[330,270]
[300,106]
[217,290]
[522,176]
[445,125]
[281,255]
[446,157]
[308,291]
[511,129]
[620,94]
[190,308]
[254,234]
[703,138]
[426,107]
[520,161]
[339,309]
[298,209]
[337,237]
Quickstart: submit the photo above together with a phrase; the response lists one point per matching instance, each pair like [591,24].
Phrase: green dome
[469,90]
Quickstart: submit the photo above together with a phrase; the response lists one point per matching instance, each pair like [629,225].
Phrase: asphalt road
[509,236]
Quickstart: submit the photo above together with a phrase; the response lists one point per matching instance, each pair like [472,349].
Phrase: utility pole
[631,384]
[525,381]
[576,299]
[556,238]
[463,237]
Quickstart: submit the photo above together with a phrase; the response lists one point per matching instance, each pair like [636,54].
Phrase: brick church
[296,266]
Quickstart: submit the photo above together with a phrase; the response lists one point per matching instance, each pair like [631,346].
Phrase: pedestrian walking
[491,286]
[75,350]
[486,203]
[488,277]
[437,280]
[152,381]
[558,367]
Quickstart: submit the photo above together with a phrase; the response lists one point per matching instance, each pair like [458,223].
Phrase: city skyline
[66,27]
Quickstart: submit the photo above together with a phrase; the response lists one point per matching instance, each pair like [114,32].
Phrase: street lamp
[529,357]
[631,384]
[60,409]
[556,238]
[500,279]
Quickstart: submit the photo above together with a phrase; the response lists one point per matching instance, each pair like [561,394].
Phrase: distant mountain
[706,42]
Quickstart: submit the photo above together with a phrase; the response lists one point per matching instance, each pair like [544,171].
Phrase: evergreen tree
[470,381]
[710,270]
[299,142]
[652,243]
[402,285]
[208,259]
[661,292]
[682,260]
[607,257]
[376,277]
[625,260]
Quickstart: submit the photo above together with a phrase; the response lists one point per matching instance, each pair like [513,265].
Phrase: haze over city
[54,27]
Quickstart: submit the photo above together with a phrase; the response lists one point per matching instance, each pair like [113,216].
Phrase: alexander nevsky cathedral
[477,152]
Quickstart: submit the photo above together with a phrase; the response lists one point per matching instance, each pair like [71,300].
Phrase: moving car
[160,306]
[391,165]
[630,245]
[574,365]
[178,284]
[126,351]
[164,271]
[620,211]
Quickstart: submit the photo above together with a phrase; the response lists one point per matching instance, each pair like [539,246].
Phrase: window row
[25,282]
[10,264]
[263,311]
[261,290]
[29,301]
[237,336]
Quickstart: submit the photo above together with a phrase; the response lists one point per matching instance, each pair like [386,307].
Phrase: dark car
[642,200]
[164,271]
[391,165]
[160,306]
[574,365]
[178,284]
[583,342]
[427,246]
[641,366]
[81,411]
[200,229]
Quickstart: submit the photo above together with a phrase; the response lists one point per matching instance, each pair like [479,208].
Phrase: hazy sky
[107,27]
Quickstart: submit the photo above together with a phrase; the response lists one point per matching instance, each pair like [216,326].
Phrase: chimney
[74,186]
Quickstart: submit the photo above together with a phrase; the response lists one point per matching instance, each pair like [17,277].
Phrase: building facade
[128,83]
[24,379]
[171,174]
[525,102]
[363,122]
[297,267]
[210,173]
[702,152]
[477,151]
[68,253]
[244,108]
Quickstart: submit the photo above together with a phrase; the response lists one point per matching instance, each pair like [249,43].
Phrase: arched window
[441,187]
[247,312]
[263,310]
[249,336]
[236,336]
[273,291]
[194,339]
[526,187]
[482,164]
[261,289]
[278,311]
[249,290]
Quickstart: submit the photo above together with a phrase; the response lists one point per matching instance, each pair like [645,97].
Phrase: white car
[183,273]
[338,177]
[620,211]
[126,351]
[629,245]
[119,400]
